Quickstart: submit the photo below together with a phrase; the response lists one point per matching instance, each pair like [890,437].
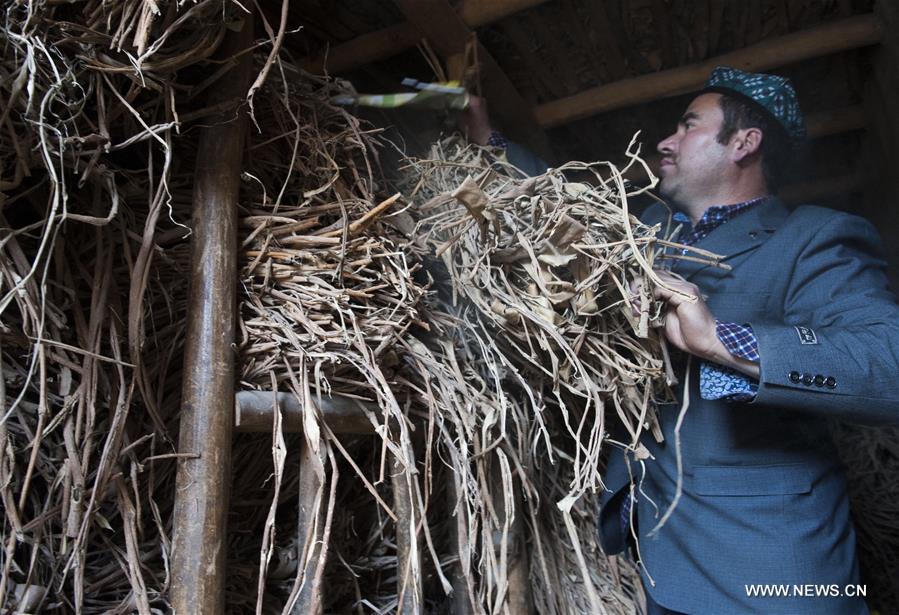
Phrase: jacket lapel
[734,238]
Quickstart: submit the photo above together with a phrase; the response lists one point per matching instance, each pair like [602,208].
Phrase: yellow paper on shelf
[446,95]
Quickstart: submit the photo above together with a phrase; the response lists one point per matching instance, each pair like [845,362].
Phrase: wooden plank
[553,55]
[254,412]
[836,121]
[408,549]
[203,483]
[447,34]
[716,19]
[607,37]
[388,42]
[699,29]
[543,80]
[661,22]
[842,35]
[585,39]
[366,48]
[310,527]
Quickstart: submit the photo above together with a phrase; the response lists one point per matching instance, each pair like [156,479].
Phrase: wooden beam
[833,37]
[408,549]
[203,482]
[310,527]
[836,121]
[448,35]
[517,589]
[254,412]
[388,42]
[476,13]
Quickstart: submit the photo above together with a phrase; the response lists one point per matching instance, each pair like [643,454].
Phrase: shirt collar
[713,217]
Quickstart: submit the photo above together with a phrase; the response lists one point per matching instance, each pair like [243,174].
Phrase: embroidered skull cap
[772,94]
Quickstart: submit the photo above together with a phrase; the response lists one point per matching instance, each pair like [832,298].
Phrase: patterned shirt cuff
[739,340]
[719,382]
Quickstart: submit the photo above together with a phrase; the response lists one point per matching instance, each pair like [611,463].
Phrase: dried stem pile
[488,336]
[536,274]
[94,181]
[338,303]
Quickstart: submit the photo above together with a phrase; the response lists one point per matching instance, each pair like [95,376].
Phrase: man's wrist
[722,356]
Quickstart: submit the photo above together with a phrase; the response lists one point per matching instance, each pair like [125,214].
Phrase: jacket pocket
[778,479]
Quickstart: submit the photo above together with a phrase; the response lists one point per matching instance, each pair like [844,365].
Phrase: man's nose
[666,146]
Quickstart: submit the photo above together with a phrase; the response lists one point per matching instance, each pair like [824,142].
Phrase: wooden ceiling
[578,78]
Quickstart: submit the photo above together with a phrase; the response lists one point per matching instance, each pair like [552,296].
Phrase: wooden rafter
[388,42]
[842,35]
[447,34]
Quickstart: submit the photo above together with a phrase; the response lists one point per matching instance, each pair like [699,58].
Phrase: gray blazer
[764,499]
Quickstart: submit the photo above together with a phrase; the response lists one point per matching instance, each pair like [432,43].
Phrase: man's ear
[746,142]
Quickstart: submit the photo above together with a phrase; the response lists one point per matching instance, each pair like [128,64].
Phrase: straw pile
[98,102]
[95,180]
[488,336]
[343,299]
[535,272]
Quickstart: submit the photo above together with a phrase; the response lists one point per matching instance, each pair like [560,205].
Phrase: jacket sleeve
[837,351]
[525,160]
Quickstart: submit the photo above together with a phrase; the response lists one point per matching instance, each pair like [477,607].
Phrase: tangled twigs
[92,309]
[547,355]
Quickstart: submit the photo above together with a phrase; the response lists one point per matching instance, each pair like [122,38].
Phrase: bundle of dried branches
[96,104]
[543,266]
[328,295]
[336,304]
[537,272]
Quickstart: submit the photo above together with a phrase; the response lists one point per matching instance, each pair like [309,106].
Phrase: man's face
[692,159]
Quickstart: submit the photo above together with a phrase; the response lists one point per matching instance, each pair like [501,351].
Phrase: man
[800,329]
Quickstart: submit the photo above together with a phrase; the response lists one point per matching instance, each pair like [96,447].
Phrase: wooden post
[842,35]
[203,483]
[254,412]
[518,599]
[462,599]
[408,552]
[311,517]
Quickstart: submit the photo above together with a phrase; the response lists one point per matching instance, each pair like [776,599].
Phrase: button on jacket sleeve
[837,351]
